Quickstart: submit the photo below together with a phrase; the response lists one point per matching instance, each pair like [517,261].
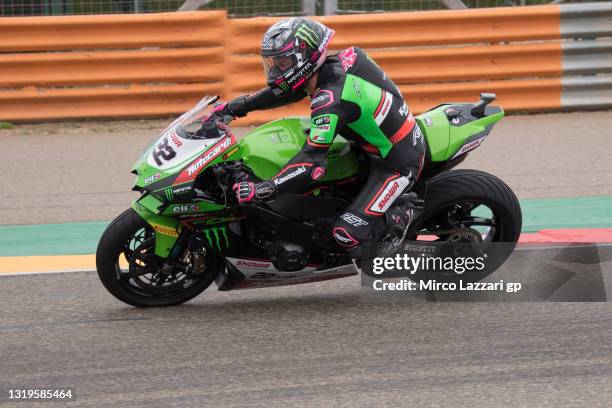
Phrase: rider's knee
[350,230]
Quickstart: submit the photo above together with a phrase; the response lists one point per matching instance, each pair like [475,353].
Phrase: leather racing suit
[353,98]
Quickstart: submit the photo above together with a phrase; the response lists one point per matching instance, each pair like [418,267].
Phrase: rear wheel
[130,270]
[475,209]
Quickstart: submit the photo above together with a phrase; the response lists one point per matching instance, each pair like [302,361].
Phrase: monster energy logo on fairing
[215,234]
[169,194]
[308,35]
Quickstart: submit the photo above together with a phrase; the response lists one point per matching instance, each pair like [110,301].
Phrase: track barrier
[535,58]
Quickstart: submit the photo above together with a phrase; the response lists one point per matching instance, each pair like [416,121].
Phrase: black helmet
[292,50]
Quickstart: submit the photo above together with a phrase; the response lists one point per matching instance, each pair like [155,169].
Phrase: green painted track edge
[80,238]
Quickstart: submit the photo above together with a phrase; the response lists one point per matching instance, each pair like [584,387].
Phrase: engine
[289,257]
[285,256]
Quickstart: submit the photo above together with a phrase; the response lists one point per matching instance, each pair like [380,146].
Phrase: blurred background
[249,8]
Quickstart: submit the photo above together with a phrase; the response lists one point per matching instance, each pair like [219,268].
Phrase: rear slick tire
[460,186]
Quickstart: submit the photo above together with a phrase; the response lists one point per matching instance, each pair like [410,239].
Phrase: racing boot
[399,217]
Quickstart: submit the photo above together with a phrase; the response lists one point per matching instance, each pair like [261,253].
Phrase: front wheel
[475,209]
[130,270]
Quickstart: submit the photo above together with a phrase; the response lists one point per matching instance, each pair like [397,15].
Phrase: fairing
[268,148]
[172,150]
[446,139]
[166,180]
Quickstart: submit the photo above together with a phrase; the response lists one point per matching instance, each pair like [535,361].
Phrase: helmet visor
[279,65]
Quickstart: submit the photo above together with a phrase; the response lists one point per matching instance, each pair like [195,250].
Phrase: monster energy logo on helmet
[292,50]
[307,35]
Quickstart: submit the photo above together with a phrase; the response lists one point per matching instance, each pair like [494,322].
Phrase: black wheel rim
[148,275]
[466,221]
[473,216]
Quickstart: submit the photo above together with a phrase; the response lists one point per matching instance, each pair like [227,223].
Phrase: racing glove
[216,114]
[234,108]
[247,191]
[215,123]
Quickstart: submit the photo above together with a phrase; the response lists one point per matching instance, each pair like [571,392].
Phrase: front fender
[167,229]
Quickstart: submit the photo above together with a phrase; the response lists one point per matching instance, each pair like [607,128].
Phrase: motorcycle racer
[352,96]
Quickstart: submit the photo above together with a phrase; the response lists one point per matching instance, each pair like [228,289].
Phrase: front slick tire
[452,202]
[147,282]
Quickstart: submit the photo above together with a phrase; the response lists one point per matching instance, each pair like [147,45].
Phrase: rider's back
[371,109]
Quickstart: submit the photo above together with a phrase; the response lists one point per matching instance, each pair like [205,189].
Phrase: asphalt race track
[324,344]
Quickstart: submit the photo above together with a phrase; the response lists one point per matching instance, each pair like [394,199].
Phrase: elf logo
[185,208]
[152,178]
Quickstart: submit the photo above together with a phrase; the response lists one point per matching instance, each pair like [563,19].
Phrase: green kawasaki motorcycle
[186,229]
